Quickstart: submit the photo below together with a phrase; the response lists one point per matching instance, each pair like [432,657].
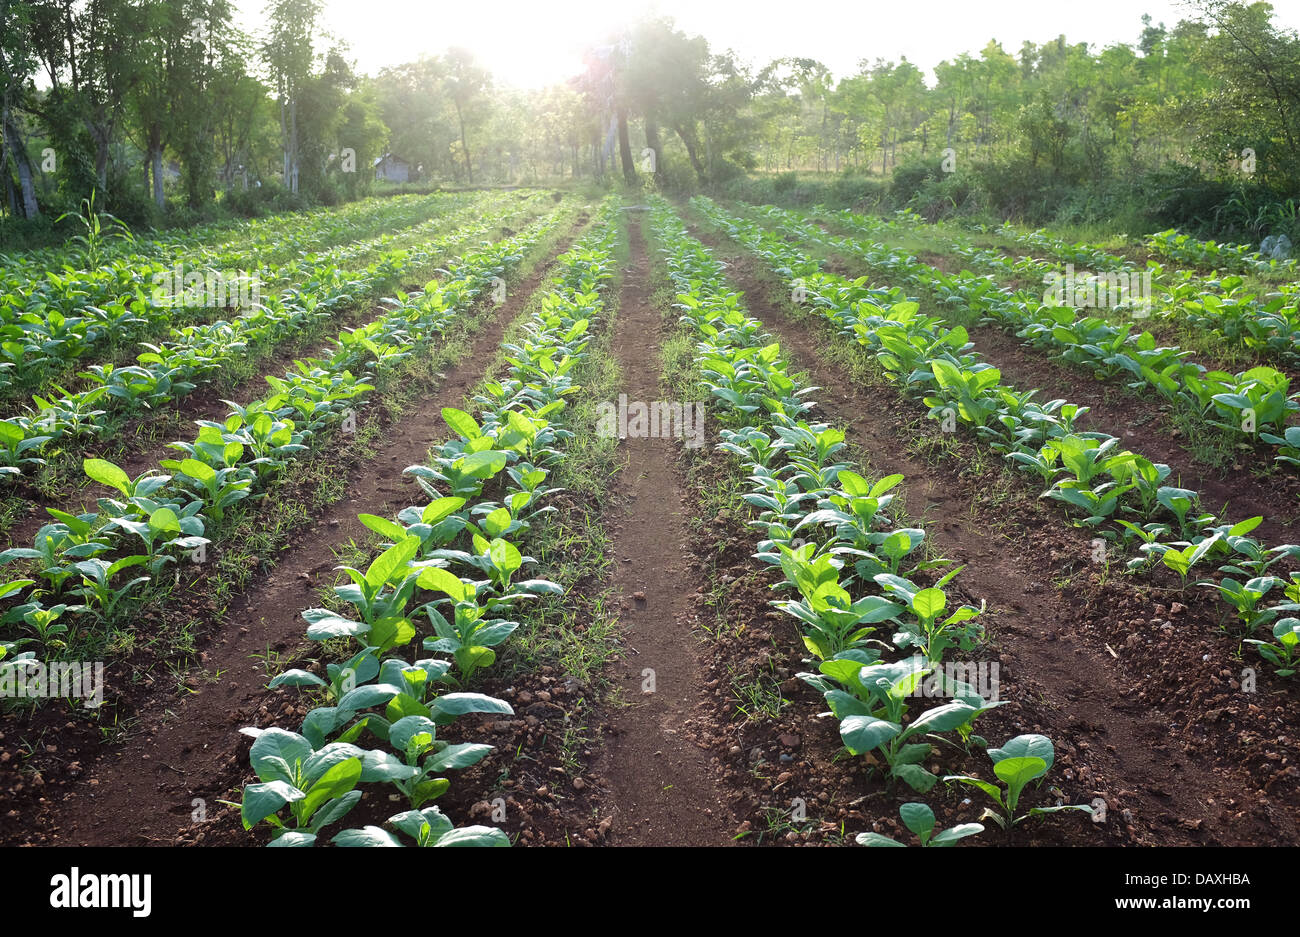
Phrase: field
[520,517]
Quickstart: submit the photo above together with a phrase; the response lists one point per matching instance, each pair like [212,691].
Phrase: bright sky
[532,43]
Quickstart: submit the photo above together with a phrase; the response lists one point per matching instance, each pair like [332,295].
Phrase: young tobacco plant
[1021,760]
[1285,653]
[428,827]
[872,706]
[919,818]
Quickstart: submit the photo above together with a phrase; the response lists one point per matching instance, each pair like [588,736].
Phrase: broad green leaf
[106,473]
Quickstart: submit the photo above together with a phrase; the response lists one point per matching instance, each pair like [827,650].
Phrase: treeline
[169,113]
[1192,125]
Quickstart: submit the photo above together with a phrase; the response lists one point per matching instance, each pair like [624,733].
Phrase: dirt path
[662,788]
[1061,673]
[145,792]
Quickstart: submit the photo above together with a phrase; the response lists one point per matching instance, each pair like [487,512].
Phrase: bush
[19,234]
[1013,188]
[908,179]
[945,197]
[846,190]
[785,183]
[1182,197]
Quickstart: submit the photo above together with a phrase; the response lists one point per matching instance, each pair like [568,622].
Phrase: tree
[289,57]
[467,86]
[16,67]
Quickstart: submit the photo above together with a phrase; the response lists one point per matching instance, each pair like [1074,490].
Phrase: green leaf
[164,520]
[391,565]
[916,777]
[474,836]
[383,526]
[961,831]
[276,754]
[1030,745]
[917,817]
[928,603]
[369,836]
[943,718]
[106,473]
[861,734]
[440,509]
[1018,771]
[457,757]
[437,579]
[363,697]
[262,800]
[335,782]
[199,471]
[854,484]
[496,523]
[875,839]
[461,422]
[458,704]
[483,465]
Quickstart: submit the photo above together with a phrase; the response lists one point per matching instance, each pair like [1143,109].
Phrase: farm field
[652,426]
[396,557]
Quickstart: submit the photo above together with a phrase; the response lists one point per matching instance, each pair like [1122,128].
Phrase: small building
[391,168]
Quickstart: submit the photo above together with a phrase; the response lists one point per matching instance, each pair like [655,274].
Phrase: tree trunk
[293,144]
[625,149]
[156,162]
[652,141]
[101,136]
[14,143]
[687,135]
[464,145]
[284,138]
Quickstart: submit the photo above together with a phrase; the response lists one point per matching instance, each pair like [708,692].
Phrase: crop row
[1227,307]
[431,608]
[47,324]
[1098,481]
[1237,258]
[850,574]
[170,370]
[157,519]
[1183,248]
[1255,403]
[275,236]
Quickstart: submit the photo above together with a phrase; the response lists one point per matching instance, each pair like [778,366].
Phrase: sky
[534,43]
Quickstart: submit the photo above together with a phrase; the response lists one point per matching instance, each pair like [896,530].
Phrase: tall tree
[17,64]
[289,56]
[467,85]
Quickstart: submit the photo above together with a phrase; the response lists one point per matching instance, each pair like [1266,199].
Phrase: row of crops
[49,322]
[96,566]
[828,529]
[1257,317]
[389,704]
[1254,405]
[425,617]
[275,237]
[167,371]
[1102,484]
